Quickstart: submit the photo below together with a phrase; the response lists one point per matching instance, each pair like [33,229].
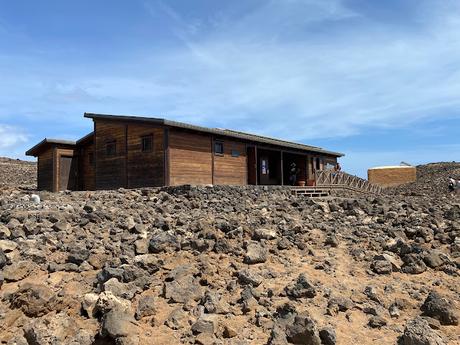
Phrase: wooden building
[132,152]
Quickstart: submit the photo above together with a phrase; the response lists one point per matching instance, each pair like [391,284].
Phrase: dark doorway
[269,167]
[252,165]
[67,173]
[297,165]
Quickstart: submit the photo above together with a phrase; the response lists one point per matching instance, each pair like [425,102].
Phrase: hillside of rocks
[17,173]
[228,265]
[431,179]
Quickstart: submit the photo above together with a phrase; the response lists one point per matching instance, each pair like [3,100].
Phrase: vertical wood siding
[145,169]
[129,167]
[190,158]
[86,176]
[45,170]
[228,169]
[110,170]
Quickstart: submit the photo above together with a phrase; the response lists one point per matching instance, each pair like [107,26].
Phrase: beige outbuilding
[391,176]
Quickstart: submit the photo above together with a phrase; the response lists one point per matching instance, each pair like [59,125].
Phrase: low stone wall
[392,176]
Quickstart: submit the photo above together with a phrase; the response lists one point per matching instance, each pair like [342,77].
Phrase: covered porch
[271,166]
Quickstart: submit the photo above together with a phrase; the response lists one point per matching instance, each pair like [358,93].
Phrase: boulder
[303,331]
[255,254]
[382,267]
[145,307]
[34,299]
[264,234]
[249,277]
[440,308]
[57,329]
[203,325]
[19,270]
[3,259]
[7,246]
[181,286]
[301,288]
[121,327]
[328,336]
[418,332]
[163,242]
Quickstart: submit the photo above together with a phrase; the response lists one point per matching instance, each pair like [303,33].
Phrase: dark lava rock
[249,277]
[303,331]
[413,264]
[336,304]
[377,321]
[163,242]
[381,267]
[440,308]
[145,307]
[203,326]
[3,259]
[418,332]
[328,336]
[301,288]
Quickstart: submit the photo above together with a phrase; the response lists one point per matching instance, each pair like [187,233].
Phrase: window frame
[108,144]
[145,137]
[235,153]
[221,143]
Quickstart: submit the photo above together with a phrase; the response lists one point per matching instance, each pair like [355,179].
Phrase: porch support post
[282,170]
[256,166]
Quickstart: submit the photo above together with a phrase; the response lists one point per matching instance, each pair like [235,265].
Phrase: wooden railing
[342,179]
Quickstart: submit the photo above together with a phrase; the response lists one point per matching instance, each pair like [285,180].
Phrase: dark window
[147,143]
[235,153]
[111,148]
[219,148]
[91,158]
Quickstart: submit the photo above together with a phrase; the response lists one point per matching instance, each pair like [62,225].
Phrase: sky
[376,80]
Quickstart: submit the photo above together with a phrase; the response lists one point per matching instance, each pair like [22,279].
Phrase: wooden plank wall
[130,167]
[190,158]
[86,174]
[110,170]
[145,169]
[45,170]
[228,169]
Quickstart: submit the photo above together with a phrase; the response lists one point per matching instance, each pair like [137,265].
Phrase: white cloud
[10,139]
[253,74]
[296,69]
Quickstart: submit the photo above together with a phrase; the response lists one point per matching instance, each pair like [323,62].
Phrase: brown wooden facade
[130,152]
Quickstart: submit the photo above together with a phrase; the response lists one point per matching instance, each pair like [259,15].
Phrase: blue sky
[377,80]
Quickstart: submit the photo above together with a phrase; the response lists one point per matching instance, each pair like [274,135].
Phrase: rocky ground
[17,173]
[229,265]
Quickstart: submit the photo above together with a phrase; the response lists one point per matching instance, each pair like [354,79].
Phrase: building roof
[215,131]
[87,138]
[45,143]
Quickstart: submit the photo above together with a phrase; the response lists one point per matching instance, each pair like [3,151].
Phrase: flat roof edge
[34,150]
[216,131]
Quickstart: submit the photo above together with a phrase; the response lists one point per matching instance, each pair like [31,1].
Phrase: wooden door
[67,173]
[252,166]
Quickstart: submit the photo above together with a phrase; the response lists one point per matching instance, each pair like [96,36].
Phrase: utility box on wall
[392,176]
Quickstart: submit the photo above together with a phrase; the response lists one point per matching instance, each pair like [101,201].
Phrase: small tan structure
[391,176]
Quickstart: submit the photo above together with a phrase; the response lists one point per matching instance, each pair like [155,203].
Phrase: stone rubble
[229,265]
